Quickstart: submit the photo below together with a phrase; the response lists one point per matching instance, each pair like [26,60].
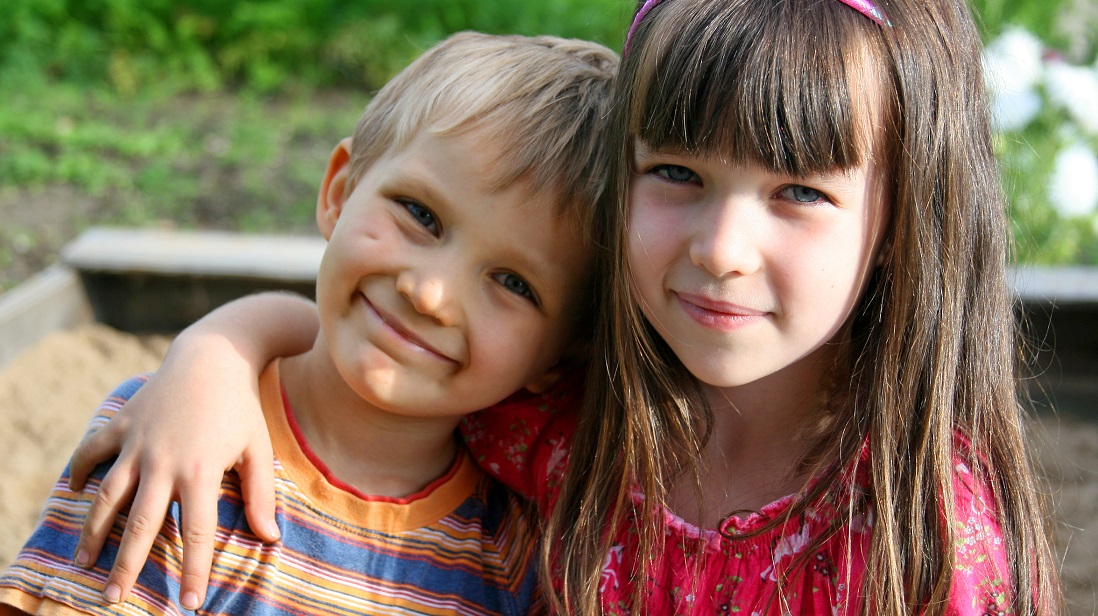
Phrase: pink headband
[865,7]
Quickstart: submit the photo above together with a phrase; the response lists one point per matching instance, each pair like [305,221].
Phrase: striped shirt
[463,545]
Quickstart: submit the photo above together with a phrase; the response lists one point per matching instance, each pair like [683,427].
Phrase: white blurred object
[1076,89]
[1013,60]
[1014,110]
[1073,187]
[1013,67]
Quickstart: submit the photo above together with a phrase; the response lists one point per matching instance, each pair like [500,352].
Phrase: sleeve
[524,441]
[981,583]
[43,579]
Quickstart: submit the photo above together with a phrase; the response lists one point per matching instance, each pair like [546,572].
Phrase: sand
[48,393]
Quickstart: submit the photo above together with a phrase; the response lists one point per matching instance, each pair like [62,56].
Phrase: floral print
[730,570]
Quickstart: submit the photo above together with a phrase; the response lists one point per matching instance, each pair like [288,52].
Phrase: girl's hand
[198,417]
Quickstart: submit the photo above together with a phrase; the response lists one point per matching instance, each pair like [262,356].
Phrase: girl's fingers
[113,493]
[150,505]
[256,471]
[199,526]
[97,447]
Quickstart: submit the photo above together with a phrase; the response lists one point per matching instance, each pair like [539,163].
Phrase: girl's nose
[725,242]
[429,294]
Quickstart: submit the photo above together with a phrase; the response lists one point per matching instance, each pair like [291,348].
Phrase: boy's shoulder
[122,394]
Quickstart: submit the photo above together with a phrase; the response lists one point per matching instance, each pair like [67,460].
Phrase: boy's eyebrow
[410,180]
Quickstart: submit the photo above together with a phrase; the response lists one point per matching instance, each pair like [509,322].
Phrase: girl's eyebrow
[835,176]
[643,149]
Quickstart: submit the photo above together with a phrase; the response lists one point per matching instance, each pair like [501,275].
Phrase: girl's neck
[377,452]
[760,434]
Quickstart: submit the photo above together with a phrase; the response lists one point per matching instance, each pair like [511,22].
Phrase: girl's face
[745,272]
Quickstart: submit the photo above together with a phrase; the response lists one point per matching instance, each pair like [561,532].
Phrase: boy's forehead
[499,148]
[462,171]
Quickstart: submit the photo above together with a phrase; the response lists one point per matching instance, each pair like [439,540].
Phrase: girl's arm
[196,418]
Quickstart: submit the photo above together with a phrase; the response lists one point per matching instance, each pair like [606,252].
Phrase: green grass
[236,162]
[72,157]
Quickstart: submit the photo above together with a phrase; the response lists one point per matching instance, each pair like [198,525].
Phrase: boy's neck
[376,452]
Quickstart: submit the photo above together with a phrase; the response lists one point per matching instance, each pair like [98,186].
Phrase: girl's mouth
[717,314]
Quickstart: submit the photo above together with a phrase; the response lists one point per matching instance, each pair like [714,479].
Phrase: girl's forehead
[791,93]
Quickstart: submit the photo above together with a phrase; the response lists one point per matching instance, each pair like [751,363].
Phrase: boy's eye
[802,194]
[675,173]
[517,285]
[422,215]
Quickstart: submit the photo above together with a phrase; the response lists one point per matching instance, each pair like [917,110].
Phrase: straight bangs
[776,87]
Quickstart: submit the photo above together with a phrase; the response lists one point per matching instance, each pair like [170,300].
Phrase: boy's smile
[390,332]
[441,293]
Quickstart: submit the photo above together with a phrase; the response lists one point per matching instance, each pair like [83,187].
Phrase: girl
[804,399]
[807,297]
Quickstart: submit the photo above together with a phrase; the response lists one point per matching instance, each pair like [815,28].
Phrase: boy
[455,274]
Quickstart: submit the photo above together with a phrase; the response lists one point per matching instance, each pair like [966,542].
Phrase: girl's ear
[335,189]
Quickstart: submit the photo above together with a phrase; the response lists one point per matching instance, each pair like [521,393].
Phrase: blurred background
[220,115]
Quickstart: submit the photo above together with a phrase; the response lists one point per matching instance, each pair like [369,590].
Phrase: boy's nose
[428,294]
[725,241]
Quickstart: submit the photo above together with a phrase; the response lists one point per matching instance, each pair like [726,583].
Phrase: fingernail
[190,601]
[113,593]
[274,531]
[82,558]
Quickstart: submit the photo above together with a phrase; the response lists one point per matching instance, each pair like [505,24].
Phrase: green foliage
[1037,17]
[1068,28]
[262,45]
[1042,235]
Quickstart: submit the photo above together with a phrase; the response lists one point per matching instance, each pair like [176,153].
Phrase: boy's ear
[572,358]
[549,378]
[335,189]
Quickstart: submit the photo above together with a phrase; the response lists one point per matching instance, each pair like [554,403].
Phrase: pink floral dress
[524,442]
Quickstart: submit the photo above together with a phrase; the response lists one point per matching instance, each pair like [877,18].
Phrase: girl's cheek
[652,203]
[643,223]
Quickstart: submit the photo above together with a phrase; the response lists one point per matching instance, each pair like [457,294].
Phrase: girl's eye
[517,285]
[422,215]
[675,173]
[802,194]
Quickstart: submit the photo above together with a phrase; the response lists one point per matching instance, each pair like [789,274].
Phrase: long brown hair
[933,351]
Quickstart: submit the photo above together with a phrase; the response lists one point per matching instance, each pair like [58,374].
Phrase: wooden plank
[196,253]
[156,280]
[1059,286]
[52,299]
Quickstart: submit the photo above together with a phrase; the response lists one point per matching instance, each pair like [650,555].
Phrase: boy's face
[438,294]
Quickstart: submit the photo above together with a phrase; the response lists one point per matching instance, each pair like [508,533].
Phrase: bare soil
[36,224]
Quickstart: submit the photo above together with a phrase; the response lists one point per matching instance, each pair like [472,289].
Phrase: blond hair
[542,100]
